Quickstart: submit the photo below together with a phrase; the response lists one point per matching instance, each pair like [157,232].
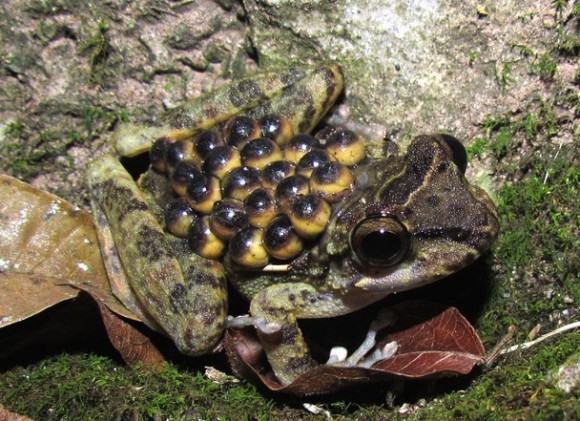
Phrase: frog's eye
[455,150]
[380,241]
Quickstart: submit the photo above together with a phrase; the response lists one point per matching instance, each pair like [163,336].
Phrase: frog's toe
[383,319]
[337,355]
[387,351]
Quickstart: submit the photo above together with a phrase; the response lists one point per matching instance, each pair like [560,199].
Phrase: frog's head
[416,220]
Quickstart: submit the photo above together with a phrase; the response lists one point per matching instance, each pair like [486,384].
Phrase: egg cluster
[254,187]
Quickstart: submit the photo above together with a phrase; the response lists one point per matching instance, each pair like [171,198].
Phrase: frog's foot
[259,323]
[359,358]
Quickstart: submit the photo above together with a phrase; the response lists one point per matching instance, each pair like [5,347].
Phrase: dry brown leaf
[48,250]
[133,346]
[6,415]
[432,341]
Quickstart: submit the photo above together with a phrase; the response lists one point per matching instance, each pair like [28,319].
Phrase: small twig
[500,345]
[542,338]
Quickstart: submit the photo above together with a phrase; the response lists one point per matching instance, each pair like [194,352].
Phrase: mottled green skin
[449,223]
[166,278]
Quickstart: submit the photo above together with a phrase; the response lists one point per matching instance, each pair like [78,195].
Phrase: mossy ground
[533,155]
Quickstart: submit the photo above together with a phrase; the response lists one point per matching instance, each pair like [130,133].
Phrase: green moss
[537,277]
[93,387]
[516,386]
[545,67]
[98,49]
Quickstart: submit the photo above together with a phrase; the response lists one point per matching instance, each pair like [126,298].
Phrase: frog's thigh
[276,309]
[185,297]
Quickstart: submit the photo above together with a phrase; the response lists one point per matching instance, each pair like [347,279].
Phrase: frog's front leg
[275,311]
[182,292]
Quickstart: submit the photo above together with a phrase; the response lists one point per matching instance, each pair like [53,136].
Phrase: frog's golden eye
[260,152]
[380,241]
[277,128]
[240,130]
[455,150]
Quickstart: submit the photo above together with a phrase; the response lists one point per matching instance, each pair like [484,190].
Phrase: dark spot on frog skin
[433,200]
[38,281]
[309,114]
[292,76]
[115,197]
[331,87]
[244,92]
[211,112]
[178,299]
[181,120]
[155,302]
[147,241]
[442,167]
[299,363]
[195,278]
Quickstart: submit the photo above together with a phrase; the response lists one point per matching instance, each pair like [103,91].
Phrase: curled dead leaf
[48,253]
[432,341]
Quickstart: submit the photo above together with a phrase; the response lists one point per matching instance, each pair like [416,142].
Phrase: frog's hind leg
[183,293]
[275,311]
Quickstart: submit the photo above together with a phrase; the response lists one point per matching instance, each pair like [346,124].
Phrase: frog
[403,220]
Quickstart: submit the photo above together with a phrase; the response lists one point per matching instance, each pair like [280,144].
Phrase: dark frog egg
[247,249]
[179,217]
[278,128]
[260,207]
[332,181]
[207,141]
[309,215]
[275,172]
[311,161]
[299,146]
[346,147]
[182,174]
[203,241]
[240,130]
[227,217]
[240,182]
[221,160]
[260,152]
[181,150]
[202,192]
[280,239]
